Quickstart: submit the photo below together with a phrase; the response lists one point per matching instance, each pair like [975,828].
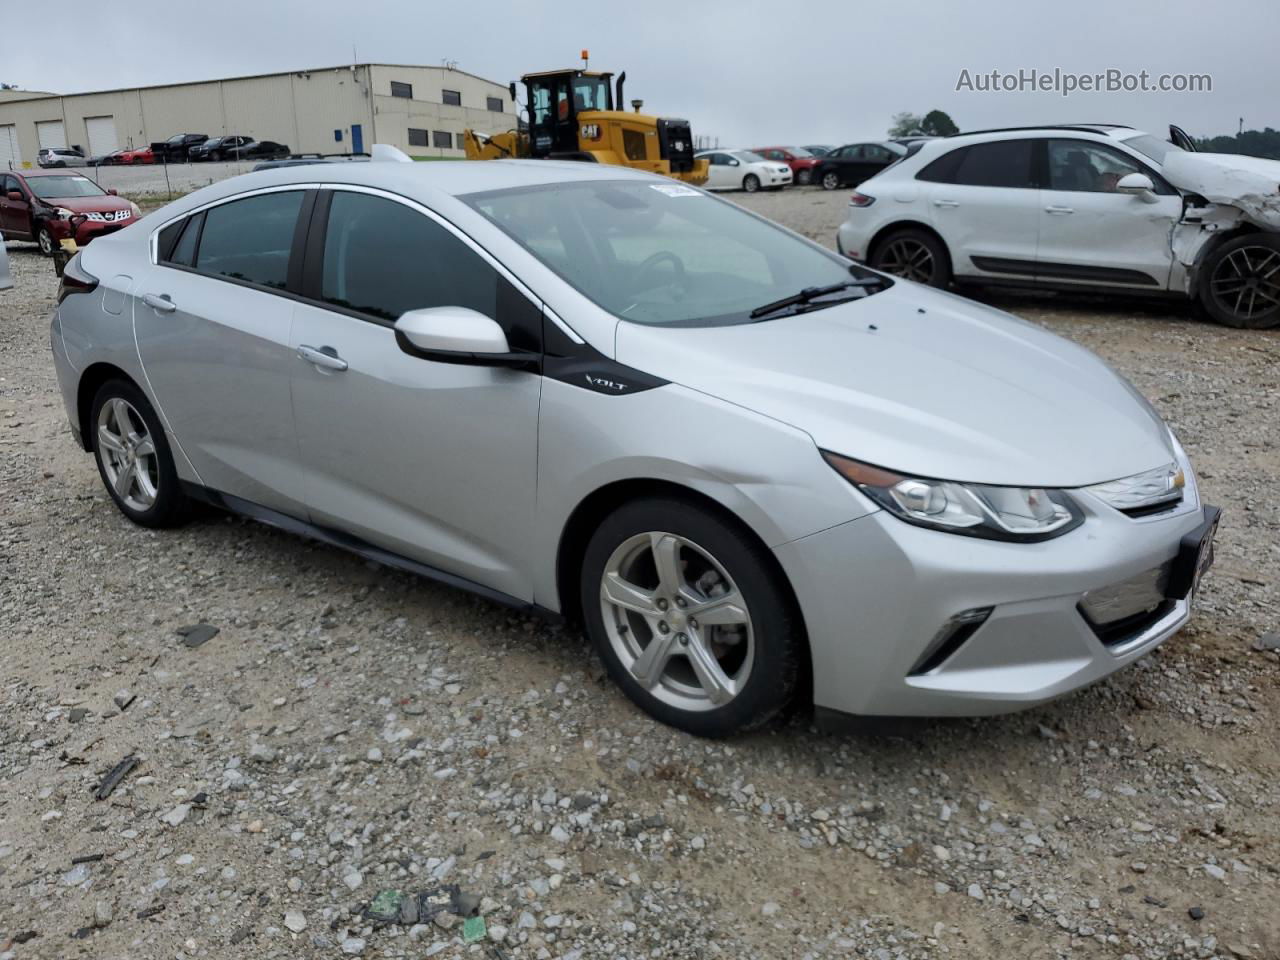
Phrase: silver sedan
[751,470]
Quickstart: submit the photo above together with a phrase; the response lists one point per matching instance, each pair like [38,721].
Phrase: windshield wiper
[809,294]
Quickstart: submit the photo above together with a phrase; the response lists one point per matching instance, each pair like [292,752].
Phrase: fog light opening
[953,635]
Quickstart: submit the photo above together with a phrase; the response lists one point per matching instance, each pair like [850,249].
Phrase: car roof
[1104,129]
[423,181]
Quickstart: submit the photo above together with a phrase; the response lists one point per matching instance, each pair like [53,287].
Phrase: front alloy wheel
[45,239]
[677,621]
[830,181]
[691,616]
[1242,282]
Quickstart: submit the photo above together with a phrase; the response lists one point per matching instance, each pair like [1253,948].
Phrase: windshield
[660,253]
[746,156]
[799,152]
[1150,146]
[49,188]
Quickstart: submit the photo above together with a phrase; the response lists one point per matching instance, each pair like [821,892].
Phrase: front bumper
[877,593]
[61,229]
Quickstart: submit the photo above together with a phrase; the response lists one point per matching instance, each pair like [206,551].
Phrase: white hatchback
[1090,207]
[744,170]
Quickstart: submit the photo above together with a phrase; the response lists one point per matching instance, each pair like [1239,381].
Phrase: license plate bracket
[1195,556]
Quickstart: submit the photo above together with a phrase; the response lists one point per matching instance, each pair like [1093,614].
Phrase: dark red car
[800,160]
[40,205]
[140,155]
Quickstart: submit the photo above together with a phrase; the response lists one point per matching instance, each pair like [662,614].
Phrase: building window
[418,138]
[442,138]
[399,89]
[451,97]
[494,104]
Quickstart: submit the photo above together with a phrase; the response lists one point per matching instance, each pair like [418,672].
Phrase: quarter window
[442,139]
[451,97]
[382,258]
[399,89]
[250,239]
[418,138]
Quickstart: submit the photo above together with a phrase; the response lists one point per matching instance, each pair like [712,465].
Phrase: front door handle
[326,357]
[159,302]
[949,204]
[1058,210]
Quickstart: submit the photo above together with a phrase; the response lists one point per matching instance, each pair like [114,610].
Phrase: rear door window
[1002,163]
[250,240]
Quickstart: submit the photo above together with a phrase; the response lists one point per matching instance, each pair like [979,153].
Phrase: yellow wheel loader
[575,115]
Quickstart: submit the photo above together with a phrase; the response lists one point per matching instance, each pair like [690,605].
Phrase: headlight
[64,212]
[137,210]
[971,509]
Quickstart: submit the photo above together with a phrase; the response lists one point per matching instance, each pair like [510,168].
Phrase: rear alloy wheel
[133,457]
[46,241]
[689,618]
[1240,282]
[830,181]
[914,255]
[751,183]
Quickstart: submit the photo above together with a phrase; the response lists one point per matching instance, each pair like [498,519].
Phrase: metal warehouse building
[421,110]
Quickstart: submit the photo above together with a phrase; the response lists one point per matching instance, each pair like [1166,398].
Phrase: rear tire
[133,456]
[671,562]
[751,183]
[804,178]
[915,255]
[1239,282]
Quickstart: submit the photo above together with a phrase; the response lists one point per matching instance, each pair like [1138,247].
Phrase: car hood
[1251,184]
[89,204]
[921,382]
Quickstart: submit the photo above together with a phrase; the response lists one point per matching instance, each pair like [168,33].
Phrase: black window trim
[456,93]
[321,193]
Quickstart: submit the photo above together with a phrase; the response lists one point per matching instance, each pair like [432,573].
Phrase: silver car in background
[751,470]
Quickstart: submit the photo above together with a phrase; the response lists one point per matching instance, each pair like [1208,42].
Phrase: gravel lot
[352,730]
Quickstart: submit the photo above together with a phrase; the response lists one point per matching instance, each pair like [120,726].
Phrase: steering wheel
[646,268]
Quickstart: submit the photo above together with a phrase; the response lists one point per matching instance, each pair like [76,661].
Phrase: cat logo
[591,131]
[605,384]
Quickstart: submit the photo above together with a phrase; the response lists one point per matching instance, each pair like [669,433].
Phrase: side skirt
[361,548]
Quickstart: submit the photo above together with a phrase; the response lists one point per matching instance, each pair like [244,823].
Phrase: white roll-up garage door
[51,134]
[102,135]
[10,155]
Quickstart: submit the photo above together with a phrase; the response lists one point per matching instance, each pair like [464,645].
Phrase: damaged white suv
[1085,207]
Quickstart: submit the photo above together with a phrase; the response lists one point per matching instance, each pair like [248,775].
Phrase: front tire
[751,183]
[804,178]
[915,255]
[133,456]
[45,239]
[688,614]
[1239,283]
[830,181]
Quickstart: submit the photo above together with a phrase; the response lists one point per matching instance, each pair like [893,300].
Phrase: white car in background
[1083,207]
[744,170]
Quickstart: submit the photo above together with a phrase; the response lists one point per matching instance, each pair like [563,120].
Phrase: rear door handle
[1059,210]
[159,302]
[326,357]
[946,203]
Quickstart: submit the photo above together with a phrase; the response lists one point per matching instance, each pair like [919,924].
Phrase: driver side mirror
[733,163]
[15,196]
[112,192]
[458,335]
[1137,185]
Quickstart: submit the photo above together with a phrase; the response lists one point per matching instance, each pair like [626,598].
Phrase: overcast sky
[750,73]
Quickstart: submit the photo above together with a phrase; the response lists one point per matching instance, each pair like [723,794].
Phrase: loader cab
[555,99]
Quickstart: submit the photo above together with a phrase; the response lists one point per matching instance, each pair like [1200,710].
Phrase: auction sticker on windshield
[675,189]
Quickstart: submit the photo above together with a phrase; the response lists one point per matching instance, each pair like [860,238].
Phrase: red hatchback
[800,160]
[41,205]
